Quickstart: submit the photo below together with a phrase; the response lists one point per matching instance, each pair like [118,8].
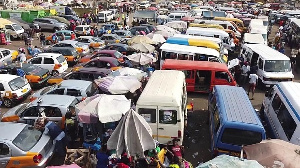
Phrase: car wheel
[7,103]
[55,73]
[12,37]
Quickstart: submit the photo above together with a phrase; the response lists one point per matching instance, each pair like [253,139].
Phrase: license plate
[24,90]
[45,76]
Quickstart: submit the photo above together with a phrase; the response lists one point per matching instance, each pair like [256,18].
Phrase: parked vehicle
[163,105]
[100,62]
[35,75]
[102,53]
[124,34]
[25,145]
[49,24]
[13,89]
[253,39]
[111,38]
[83,30]
[105,16]
[233,122]
[70,17]
[7,56]
[201,76]
[80,47]
[94,43]
[78,88]
[122,48]
[54,107]
[71,54]
[273,66]
[15,30]
[88,74]
[53,62]
[67,35]
[135,29]
[150,27]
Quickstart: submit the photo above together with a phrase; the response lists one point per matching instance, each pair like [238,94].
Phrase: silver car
[21,145]
[77,88]
[54,107]
[49,24]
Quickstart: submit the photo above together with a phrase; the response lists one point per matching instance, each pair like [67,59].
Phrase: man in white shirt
[245,70]
[252,83]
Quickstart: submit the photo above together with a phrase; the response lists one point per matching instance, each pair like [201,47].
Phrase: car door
[5,154]
[48,63]
[54,114]
[29,115]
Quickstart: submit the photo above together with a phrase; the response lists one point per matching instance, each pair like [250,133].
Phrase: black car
[71,54]
[150,27]
[122,48]
[135,29]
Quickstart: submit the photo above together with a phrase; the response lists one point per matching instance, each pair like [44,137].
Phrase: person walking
[42,39]
[21,57]
[252,83]
[245,70]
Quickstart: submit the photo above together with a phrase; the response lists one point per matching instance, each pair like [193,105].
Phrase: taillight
[14,95]
[179,134]
[32,99]
[37,158]
[57,66]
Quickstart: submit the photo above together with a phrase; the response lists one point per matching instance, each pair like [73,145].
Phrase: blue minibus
[233,121]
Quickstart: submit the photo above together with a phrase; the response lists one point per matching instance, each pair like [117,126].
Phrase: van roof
[189,49]
[253,38]
[267,52]
[193,42]
[207,30]
[217,40]
[235,105]
[291,93]
[7,77]
[187,65]
[164,88]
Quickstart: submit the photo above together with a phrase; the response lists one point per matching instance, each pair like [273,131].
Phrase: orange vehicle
[201,76]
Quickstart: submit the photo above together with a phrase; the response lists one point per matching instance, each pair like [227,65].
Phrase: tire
[7,103]
[55,73]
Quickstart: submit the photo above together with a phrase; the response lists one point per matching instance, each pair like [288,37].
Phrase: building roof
[236,104]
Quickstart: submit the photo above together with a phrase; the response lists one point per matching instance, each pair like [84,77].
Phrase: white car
[92,42]
[6,56]
[55,63]
[83,30]
[80,47]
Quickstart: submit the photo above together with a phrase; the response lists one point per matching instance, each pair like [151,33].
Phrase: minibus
[262,30]
[216,26]
[280,110]
[182,52]
[233,122]
[212,32]
[163,105]
[201,76]
[273,66]
[193,42]
[237,21]
[253,39]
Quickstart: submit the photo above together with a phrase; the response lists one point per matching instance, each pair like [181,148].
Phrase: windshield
[240,137]
[118,54]
[101,15]
[61,59]
[17,83]
[31,69]
[17,27]
[277,66]
[27,138]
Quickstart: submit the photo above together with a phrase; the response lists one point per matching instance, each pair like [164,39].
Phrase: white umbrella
[108,108]
[119,84]
[142,58]
[165,33]
[133,134]
[140,39]
[126,71]
[177,24]
[158,38]
[143,47]
[166,28]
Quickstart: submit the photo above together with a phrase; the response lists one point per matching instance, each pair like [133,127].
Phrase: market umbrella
[140,39]
[166,28]
[118,84]
[165,34]
[133,135]
[141,58]
[126,71]
[268,152]
[226,161]
[107,108]
[158,38]
[143,47]
[188,19]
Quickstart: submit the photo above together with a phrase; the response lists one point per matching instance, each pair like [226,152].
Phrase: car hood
[40,72]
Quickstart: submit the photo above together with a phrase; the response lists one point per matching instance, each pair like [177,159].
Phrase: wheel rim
[7,103]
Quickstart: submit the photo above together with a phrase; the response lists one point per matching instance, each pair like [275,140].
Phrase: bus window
[168,116]
[148,114]
[240,137]
[223,75]
[188,74]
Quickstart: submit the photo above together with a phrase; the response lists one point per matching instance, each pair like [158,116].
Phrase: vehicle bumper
[274,82]
[21,98]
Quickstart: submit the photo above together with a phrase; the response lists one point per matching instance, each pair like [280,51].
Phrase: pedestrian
[245,70]
[252,83]
[35,51]
[21,57]
[25,38]
[177,149]
[102,158]
[42,39]
[57,135]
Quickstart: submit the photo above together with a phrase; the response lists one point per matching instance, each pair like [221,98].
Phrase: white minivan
[273,66]
[15,30]
[13,89]
[105,16]
[163,105]
[280,110]
[55,63]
